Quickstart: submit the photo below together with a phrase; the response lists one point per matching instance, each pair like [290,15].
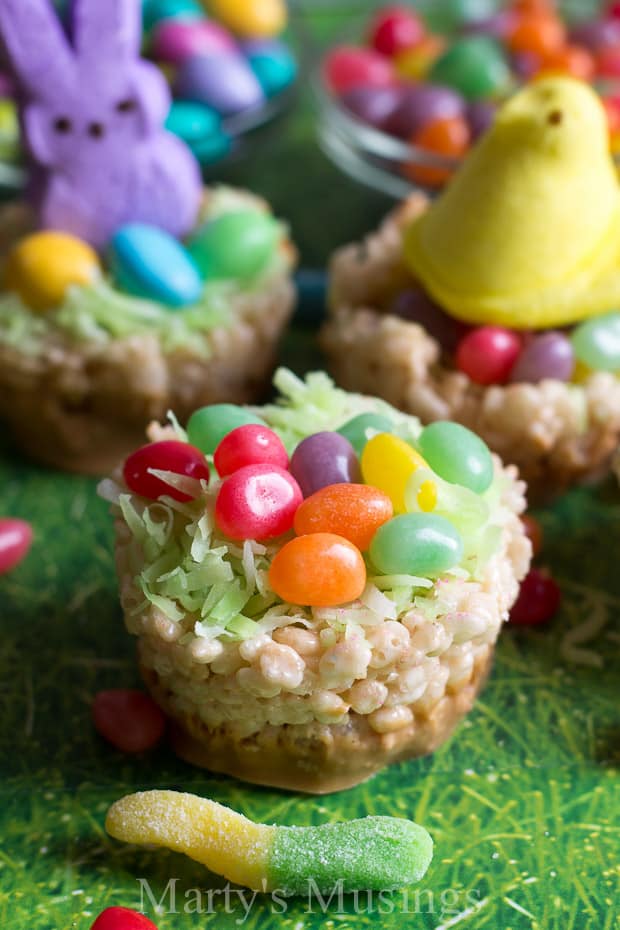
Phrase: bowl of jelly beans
[403,102]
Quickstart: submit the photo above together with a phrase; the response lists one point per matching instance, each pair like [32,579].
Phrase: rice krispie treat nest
[273,690]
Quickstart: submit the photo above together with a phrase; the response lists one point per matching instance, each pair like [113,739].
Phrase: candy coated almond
[43,266]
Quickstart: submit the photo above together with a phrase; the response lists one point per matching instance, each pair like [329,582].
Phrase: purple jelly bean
[271,48]
[422,104]
[480,116]
[323,459]
[416,306]
[224,82]
[496,26]
[175,40]
[525,65]
[372,105]
[596,34]
[547,356]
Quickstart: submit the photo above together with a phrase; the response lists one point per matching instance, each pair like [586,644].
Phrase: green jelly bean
[235,245]
[153,11]
[416,544]
[596,342]
[457,455]
[207,426]
[362,427]
[450,15]
[371,853]
[473,65]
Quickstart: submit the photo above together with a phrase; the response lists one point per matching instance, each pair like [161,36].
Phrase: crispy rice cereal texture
[83,407]
[556,433]
[287,709]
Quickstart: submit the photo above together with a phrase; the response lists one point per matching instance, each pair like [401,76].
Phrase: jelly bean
[250,18]
[450,15]
[275,69]
[573,60]
[423,104]
[318,570]
[612,110]
[457,455]
[249,444]
[129,720]
[355,511]
[608,62]
[15,541]
[9,128]
[539,599]
[495,26]
[488,354]
[596,34]
[475,66]
[175,40]
[448,138]
[192,121]
[596,342]
[480,117]
[362,427]
[122,918]
[526,65]
[416,544]
[395,30]
[387,463]
[613,10]
[235,245]
[42,267]
[150,263]
[153,11]
[347,67]
[212,148]
[168,455]
[373,105]
[416,63]
[322,459]
[207,426]
[417,307]
[533,531]
[224,81]
[257,502]
[541,34]
[427,496]
[549,355]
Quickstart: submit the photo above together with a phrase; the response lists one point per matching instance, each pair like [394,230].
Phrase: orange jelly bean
[318,570]
[542,34]
[573,60]
[446,137]
[355,511]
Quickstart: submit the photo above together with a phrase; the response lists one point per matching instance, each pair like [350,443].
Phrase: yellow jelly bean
[252,19]
[387,463]
[41,268]
[427,496]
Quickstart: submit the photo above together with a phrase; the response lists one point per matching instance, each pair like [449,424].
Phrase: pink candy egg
[347,67]
[175,40]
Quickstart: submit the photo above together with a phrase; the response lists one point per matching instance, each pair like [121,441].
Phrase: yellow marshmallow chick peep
[527,235]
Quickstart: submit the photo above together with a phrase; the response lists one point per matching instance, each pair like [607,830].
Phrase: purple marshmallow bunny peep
[92,117]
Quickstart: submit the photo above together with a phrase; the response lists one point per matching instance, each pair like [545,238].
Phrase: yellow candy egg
[387,463]
[41,268]
[251,19]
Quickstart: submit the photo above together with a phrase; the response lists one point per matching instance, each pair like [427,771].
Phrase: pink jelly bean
[15,540]
[346,67]
[175,40]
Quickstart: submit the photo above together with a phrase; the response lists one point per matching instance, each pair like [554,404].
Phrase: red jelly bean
[355,511]
[534,532]
[15,541]
[122,918]
[612,109]
[396,29]
[249,445]
[257,502]
[130,720]
[347,67]
[449,138]
[538,600]
[487,354]
[169,455]
[608,62]
[318,570]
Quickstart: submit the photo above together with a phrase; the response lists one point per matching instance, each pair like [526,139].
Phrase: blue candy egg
[212,148]
[273,65]
[192,121]
[224,82]
[153,11]
[149,263]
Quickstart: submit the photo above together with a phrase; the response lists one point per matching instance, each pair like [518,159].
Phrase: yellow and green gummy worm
[379,853]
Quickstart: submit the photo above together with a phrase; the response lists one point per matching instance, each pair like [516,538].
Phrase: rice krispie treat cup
[127,288]
[316,586]
[495,306]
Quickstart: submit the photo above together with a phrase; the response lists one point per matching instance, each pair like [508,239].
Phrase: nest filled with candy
[316,585]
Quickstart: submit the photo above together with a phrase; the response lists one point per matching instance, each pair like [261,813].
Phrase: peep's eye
[126,106]
[62,125]
[555,117]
